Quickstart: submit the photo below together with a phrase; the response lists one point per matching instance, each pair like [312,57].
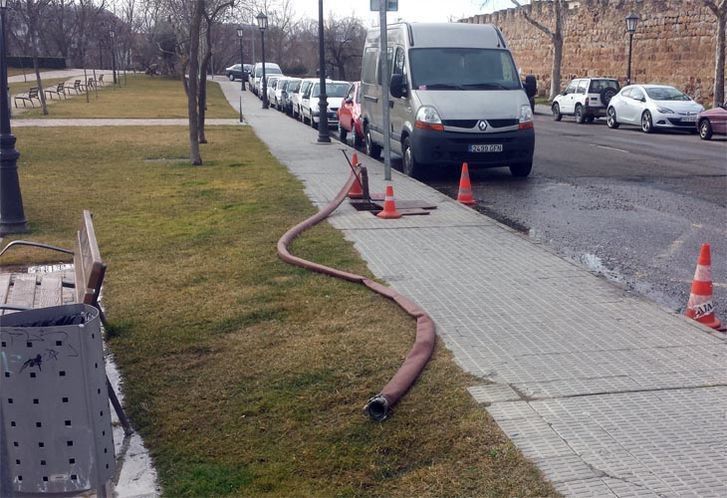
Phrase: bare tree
[719,9]
[197,12]
[32,12]
[344,39]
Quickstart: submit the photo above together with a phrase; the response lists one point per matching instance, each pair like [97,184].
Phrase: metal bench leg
[118,408]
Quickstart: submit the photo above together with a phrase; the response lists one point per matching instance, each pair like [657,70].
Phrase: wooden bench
[29,97]
[21,291]
[58,90]
[101,81]
[77,87]
[91,83]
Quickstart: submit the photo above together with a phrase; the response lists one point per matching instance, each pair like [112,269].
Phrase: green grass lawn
[246,376]
[141,97]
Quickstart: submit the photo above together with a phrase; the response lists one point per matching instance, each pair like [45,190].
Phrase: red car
[713,121]
[349,115]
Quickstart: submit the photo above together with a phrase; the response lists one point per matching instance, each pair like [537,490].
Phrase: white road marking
[608,147]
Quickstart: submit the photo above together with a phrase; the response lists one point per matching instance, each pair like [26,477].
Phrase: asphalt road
[632,207]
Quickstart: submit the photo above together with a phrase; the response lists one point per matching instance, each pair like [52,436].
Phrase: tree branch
[532,21]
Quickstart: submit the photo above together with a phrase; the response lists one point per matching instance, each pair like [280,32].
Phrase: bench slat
[22,292]
[50,292]
[4,289]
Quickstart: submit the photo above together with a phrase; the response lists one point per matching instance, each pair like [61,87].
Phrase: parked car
[455,96]
[713,121]
[257,74]
[290,87]
[585,98]
[271,84]
[238,71]
[349,115]
[652,107]
[335,91]
[277,95]
[298,96]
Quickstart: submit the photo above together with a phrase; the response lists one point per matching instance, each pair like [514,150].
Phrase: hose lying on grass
[378,407]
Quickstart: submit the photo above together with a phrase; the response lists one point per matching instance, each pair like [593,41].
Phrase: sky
[409,10]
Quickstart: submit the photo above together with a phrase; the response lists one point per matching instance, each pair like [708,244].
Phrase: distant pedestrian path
[49,123]
[60,73]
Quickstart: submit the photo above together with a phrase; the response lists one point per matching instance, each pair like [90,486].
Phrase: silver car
[651,107]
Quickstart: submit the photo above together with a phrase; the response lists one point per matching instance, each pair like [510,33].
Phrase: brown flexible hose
[379,406]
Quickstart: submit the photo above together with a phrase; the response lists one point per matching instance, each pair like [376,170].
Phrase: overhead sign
[391,5]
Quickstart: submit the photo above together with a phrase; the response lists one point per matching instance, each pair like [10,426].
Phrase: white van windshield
[268,70]
[332,89]
[463,69]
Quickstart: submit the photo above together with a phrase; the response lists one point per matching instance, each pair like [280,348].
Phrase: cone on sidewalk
[356,190]
[465,188]
[389,211]
[700,306]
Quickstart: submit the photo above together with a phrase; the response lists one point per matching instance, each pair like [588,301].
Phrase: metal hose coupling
[377,408]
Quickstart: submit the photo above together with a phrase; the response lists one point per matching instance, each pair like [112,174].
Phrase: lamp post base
[6,228]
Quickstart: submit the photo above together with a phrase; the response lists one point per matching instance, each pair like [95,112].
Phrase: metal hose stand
[379,406]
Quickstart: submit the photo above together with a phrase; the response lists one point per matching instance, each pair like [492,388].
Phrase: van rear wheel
[522,169]
[372,149]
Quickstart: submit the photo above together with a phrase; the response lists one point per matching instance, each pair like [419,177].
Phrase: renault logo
[482,125]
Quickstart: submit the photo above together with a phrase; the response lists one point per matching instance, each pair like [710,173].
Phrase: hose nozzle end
[377,408]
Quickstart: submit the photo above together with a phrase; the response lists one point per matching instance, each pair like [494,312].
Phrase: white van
[257,75]
[455,96]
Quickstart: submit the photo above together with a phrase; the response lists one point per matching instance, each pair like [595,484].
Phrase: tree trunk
[555,70]
[192,93]
[202,104]
[719,60]
[39,82]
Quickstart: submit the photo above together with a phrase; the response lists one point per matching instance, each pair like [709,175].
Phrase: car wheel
[231,76]
[705,129]
[579,114]
[557,116]
[373,150]
[310,120]
[410,167]
[521,170]
[607,94]
[342,133]
[647,125]
[611,118]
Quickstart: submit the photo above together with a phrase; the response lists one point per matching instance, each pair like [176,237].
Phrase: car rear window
[597,86]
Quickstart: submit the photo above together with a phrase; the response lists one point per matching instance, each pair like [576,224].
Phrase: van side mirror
[531,86]
[397,87]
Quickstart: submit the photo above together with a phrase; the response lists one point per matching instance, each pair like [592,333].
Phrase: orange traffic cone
[356,191]
[700,307]
[389,211]
[465,187]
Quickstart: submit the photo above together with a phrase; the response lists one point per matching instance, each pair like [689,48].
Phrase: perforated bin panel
[55,403]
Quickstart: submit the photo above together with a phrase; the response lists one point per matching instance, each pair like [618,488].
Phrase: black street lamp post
[12,217]
[112,35]
[323,136]
[631,21]
[262,23]
[240,34]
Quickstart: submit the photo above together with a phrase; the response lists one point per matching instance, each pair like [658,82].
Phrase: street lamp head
[240,32]
[631,21]
[262,21]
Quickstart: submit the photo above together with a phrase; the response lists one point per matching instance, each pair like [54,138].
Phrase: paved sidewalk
[607,393]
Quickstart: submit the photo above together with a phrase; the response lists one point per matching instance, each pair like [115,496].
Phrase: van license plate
[485,148]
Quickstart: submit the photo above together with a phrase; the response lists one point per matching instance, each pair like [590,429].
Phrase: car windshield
[665,93]
[293,86]
[463,69]
[332,89]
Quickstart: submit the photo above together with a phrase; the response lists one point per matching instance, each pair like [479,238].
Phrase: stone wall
[674,42]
